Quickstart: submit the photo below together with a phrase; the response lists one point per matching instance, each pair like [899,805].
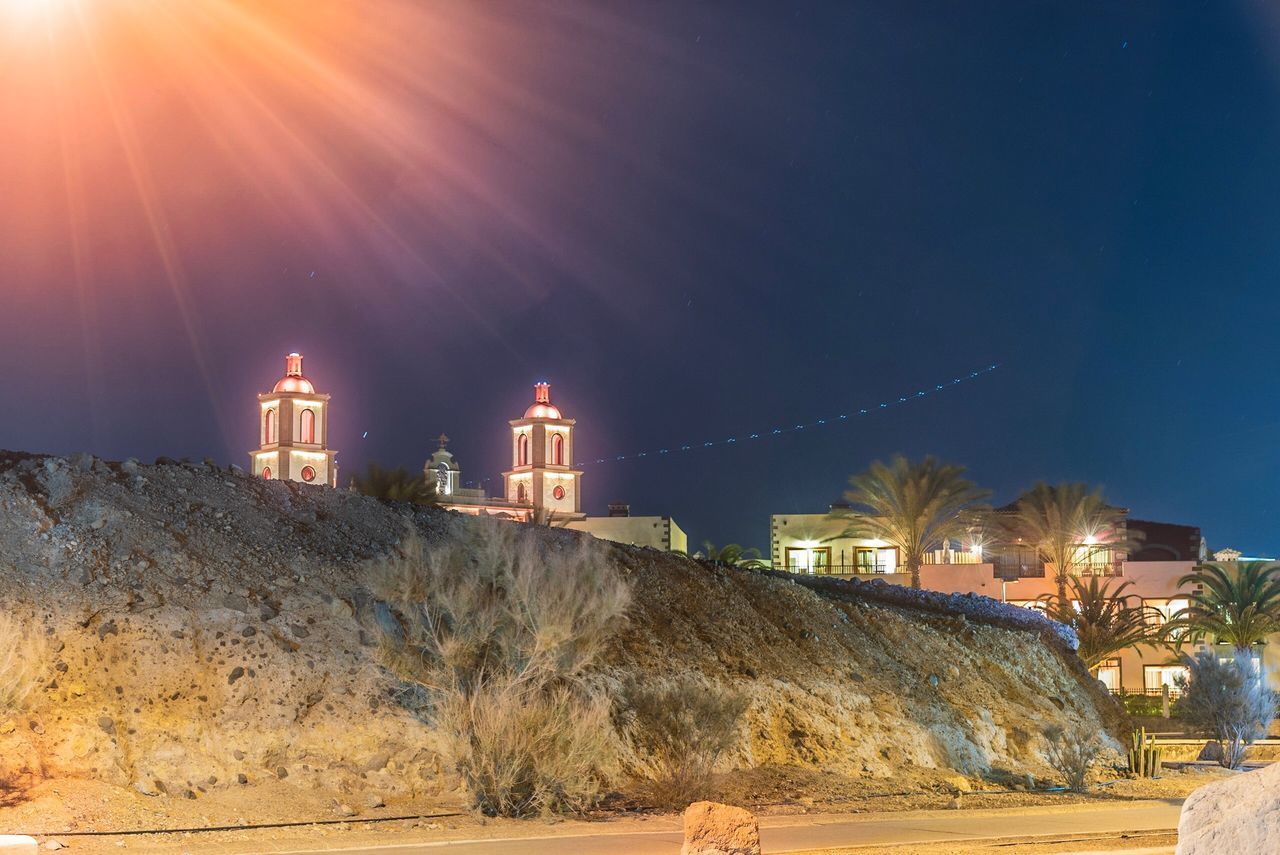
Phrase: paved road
[794,834]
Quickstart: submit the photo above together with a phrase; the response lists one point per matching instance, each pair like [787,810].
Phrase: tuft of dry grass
[684,725]
[1071,751]
[498,627]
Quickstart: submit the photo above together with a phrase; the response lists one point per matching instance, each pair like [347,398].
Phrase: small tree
[1068,525]
[733,555]
[499,627]
[1071,752]
[1237,605]
[1105,621]
[1229,700]
[916,507]
[685,726]
[395,485]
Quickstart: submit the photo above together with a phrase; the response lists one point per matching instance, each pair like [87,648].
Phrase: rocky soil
[210,633]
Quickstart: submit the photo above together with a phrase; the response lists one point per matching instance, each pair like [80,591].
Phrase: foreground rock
[715,829]
[1240,816]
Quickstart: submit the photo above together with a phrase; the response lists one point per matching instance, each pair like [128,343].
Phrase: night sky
[696,220]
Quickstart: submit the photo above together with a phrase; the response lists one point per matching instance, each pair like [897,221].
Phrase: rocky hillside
[206,630]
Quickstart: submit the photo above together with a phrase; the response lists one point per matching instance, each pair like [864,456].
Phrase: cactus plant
[1144,756]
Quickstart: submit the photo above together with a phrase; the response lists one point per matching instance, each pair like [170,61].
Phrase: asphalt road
[794,834]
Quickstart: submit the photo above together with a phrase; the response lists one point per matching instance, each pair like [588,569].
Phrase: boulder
[715,829]
[1240,815]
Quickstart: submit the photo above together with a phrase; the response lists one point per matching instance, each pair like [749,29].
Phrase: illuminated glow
[975,548]
[1090,540]
[309,455]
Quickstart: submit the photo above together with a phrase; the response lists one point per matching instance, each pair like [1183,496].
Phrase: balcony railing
[1037,570]
[845,570]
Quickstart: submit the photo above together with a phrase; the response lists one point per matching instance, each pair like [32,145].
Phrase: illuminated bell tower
[542,473]
[293,431]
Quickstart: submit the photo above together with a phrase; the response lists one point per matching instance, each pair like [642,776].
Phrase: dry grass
[685,726]
[498,629]
[1071,751]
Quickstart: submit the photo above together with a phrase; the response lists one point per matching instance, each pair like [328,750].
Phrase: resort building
[293,431]
[1165,552]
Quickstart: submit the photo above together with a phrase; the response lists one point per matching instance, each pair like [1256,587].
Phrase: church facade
[543,485]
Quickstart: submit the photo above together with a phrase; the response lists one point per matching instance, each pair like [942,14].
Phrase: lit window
[308,420]
[266,472]
[522,454]
[521,494]
[557,449]
[558,492]
[1156,677]
[1109,674]
[308,473]
[271,427]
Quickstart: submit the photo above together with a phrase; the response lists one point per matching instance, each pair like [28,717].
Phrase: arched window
[557,449]
[522,495]
[308,426]
[271,427]
[266,472]
[522,450]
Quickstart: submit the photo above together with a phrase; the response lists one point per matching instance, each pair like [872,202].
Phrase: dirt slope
[208,630]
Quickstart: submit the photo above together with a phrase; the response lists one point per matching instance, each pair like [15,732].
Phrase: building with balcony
[1163,554]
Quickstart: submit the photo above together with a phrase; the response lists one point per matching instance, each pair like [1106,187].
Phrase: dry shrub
[499,626]
[685,726]
[24,653]
[1229,700]
[1071,752]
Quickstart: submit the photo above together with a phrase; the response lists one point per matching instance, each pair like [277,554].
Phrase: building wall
[656,532]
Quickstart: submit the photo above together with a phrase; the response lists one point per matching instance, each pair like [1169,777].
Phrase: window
[875,560]
[271,432]
[308,425]
[1109,674]
[558,492]
[1160,612]
[442,479]
[266,472]
[557,449]
[308,473]
[805,559]
[522,495]
[1154,677]
[522,450]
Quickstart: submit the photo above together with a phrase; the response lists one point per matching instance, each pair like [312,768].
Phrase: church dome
[542,407]
[293,381]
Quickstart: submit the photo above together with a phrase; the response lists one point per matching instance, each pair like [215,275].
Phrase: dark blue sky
[696,220]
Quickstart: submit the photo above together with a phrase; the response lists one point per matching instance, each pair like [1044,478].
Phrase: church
[541,486]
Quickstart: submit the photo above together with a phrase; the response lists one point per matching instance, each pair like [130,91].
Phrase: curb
[17,844]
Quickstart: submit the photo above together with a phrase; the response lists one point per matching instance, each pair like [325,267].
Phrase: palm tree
[733,555]
[1068,525]
[396,485]
[1105,621]
[1239,606]
[915,507]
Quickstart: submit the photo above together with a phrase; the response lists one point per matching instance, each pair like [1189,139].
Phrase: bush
[1229,700]
[498,628]
[685,726]
[1071,752]
[1149,706]
[23,655]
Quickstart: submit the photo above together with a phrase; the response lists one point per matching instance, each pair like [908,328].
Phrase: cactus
[1144,756]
